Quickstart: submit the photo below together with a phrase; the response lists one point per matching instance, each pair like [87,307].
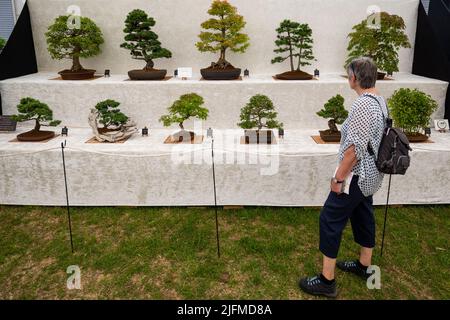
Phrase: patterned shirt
[365,123]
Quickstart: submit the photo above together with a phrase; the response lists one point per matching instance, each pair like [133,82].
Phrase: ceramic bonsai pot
[294,75]
[150,75]
[330,136]
[34,136]
[381,75]
[77,75]
[418,137]
[7,124]
[259,137]
[220,74]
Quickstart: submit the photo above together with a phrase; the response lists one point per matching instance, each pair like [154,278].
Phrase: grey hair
[365,71]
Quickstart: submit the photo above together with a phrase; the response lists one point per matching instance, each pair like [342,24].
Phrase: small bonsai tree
[335,111]
[379,43]
[110,115]
[142,42]
[295,41]
[74,43]
[259,113]
[2,43]
[227,34]
[34,110]
[186,107]
[411,110]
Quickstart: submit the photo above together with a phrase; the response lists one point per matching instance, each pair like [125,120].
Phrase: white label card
[185,72]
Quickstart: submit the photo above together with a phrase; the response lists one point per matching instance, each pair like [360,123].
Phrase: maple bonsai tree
[259,113]
[186,107]
[294,41]
[144,45]
[223,33]
[381,43]
[34,110]
[335,111]
[68,41]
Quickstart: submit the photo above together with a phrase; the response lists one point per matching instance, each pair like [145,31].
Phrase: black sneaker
[315,286]
[353,267]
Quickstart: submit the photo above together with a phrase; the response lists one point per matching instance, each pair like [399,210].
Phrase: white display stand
[296,101]
[145,172]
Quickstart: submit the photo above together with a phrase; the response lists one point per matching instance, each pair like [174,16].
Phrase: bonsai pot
[418,137]
[381,75]
[33,136]
[330,136]
[259,137]
[143,74]
[77,75]
[294,75]
[183,136]
[220,74]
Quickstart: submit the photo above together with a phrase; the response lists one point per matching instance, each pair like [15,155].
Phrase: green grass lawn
[170,253]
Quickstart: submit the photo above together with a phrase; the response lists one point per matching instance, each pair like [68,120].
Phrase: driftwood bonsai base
[220,74]
[33,136]
[77,75]
[294,75]
[330,136]
[149,75]
[259,137]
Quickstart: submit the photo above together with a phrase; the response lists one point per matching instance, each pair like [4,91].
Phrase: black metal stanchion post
[215,198]
[67,194]
[385,214]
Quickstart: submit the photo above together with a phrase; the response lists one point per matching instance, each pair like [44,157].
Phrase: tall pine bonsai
[381,43]
[73,43]
[259,113]
[294,41]
[142,42]
[110,115]
[225,33]
[335,111]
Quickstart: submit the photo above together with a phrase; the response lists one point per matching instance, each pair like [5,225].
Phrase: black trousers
[336,212]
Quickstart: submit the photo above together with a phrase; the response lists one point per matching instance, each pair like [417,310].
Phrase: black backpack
[393,154]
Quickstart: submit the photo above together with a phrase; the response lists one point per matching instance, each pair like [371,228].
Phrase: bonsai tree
[143,43]
[65,42]
[2,43]
[379,43]
[116,125]
[34,110]
[224,34]
[335,111]
[186,107]
[110,115]
[259,113]
[294,41]
[411,110]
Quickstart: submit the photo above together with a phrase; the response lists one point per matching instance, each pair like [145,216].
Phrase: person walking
[362,131]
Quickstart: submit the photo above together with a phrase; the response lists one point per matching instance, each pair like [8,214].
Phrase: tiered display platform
[296,101]
[145,172]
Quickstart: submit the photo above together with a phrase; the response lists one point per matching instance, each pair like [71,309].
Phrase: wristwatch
[334,180]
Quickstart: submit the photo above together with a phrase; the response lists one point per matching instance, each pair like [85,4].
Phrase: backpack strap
[369,146]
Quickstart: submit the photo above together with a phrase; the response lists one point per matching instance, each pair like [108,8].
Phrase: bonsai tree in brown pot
[186,107]
[294,41]
[115,125]
[379,42]
[335,111]
[34,110]
[144,45]
[68,41]
[225,34]
[259,113]
[411,110]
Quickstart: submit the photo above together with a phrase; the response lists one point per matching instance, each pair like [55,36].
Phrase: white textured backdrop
[178,25]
